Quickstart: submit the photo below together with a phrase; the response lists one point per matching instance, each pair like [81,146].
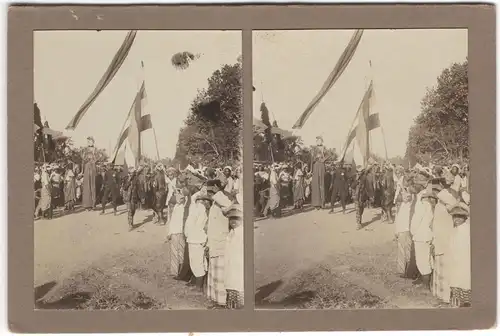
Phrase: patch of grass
[318,288]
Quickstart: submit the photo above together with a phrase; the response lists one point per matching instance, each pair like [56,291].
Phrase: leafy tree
[213,129]
[441,131]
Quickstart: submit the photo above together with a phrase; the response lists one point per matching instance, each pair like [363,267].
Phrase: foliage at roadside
[213,129]
[441,131]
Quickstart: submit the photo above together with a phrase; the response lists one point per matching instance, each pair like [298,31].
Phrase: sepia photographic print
[361,169]
[138,170]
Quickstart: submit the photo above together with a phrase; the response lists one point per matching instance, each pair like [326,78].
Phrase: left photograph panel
[138,170]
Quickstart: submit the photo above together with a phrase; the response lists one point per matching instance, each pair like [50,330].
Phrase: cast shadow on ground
[286,213]
[149,218]
[377,217]
[42,290]
[294,301]
[72,301]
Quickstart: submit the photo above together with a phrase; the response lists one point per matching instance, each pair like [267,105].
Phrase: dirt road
[92,261]
[315,259]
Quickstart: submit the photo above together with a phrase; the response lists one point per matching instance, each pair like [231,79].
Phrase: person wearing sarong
[234,270]
[217,231]
[442,230]
[45,202]
[196,237]
[89,157]
[421,230]
[160,189]
[284,180]
[405,267]
[273,202]
[460,257]
[171,180]
[69,189]
[56,181]
[318,174]
[298,187]
[176,235]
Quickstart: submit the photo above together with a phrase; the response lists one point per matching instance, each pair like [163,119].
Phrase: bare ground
[314,260]
[91,261]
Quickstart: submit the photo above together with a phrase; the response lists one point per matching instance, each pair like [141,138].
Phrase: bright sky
[290,67]
[69,64]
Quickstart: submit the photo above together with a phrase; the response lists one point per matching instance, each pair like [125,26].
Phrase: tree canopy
[213,129]
[441,130]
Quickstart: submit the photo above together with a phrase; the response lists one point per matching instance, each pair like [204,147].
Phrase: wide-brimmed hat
[429,194]
[465,197]
[229,168]
[159,166]
[461,209]
[90,138]
[234,212]
[319,137]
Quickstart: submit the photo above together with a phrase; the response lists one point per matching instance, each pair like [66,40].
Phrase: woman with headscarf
[406,266]
[217,231]
[229,181]
[460,257]
[196,237]
[45,202]
[176,235]
[457,182]
[273,203]
[57,180]
[442,229]
[69,189]
[421,231]
[318,157]
[298,187]
[234,257]
[285,180]
[89,157]
[171,180]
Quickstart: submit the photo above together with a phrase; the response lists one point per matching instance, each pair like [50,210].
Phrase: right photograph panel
[361,169]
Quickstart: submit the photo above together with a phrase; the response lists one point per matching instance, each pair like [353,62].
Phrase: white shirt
[229,185]
[460,257]
[195,224]
[218,225]
[176,223]
[421,223]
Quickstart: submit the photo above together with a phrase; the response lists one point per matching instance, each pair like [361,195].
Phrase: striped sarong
[404,251]
[216,291]
[177,246]
[460,297]
[235,299]
[440,284]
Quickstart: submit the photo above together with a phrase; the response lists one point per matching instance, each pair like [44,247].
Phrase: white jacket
[421,223]
[195,224]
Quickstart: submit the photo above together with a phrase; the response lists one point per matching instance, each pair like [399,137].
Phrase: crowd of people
[201,207]
[429,206]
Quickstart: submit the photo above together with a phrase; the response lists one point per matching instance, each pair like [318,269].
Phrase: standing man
[160,189]
[361,196]
[111,184]
[131,188]
[339,187]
